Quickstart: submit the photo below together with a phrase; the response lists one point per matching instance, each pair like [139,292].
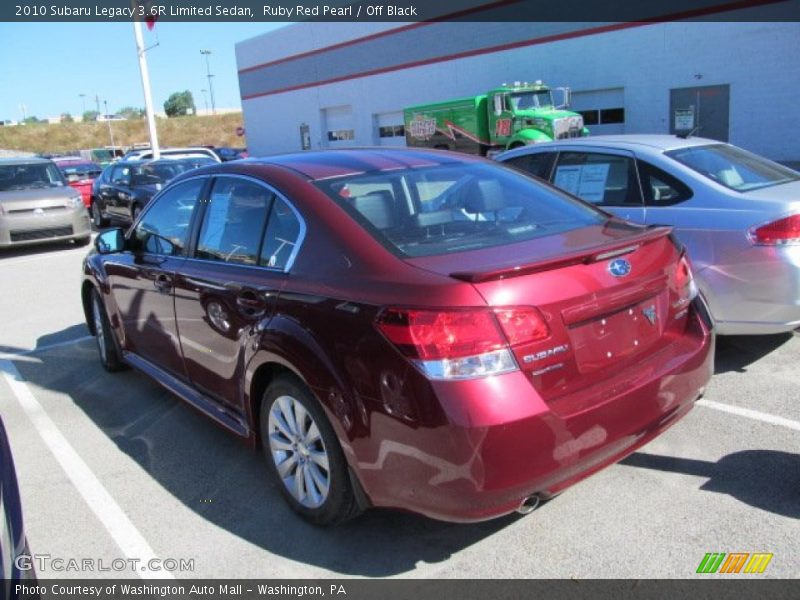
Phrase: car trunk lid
[609,294]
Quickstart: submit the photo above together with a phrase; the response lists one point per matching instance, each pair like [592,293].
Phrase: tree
[131,113]
[66,118]
[31,119]
[90,115]
[179,104]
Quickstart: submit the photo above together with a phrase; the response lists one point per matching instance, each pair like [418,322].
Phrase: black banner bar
[710,587]
[589,11]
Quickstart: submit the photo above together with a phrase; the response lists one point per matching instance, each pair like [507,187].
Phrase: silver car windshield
[733,167]
[27,176]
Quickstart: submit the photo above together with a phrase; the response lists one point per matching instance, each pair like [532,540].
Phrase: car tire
[107,346]
[299,452]
[98,220]
[83,241]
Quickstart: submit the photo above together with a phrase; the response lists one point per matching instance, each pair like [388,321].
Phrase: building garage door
[603,110]
[337,126]
[388,129]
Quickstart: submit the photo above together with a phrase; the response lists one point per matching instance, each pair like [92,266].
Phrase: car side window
[602,179]
[283,235]
[234,221]
[164,228]
[539,164]
[661,188]
[121,175]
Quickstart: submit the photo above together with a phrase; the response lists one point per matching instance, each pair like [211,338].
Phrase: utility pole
[97,101]
[148,100]
[110,133]
[83,103]
[205,99]
[206,53]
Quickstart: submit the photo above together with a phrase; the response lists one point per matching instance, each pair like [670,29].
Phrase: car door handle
[251,303]
[250,299]
[163,283]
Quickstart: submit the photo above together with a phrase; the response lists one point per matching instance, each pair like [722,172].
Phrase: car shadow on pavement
[213,474]
[737,352]
[69,334]
[39,249]
[764,479]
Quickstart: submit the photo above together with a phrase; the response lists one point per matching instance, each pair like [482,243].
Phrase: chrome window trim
[301,236]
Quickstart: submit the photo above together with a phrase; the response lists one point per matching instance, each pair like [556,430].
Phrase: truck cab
[523,113]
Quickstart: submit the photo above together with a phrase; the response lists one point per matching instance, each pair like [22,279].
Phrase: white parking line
[111,515]
[750,414]
[14,355]
[70,252]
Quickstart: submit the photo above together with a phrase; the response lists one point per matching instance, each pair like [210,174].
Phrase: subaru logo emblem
[619,267]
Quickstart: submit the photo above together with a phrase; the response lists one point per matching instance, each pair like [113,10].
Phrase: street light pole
[148,99]
[83,103]
[110,133]
[205,99]
[206,53]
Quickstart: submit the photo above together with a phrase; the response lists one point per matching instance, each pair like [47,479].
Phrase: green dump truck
[503,118]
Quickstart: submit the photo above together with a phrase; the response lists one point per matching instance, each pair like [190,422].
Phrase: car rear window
[81,171]
[454,208]
[733,167]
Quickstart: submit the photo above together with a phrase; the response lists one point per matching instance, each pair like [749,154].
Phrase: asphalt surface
[113,467]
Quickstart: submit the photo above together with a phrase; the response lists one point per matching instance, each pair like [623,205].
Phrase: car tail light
[461,344]
[684,281]
[777,233]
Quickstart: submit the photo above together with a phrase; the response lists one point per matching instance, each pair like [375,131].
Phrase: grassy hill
[219,130]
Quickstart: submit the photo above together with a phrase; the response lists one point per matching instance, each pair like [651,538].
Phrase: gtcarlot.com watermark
[46,563]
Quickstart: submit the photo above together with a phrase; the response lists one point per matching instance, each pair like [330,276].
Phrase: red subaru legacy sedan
[409,329]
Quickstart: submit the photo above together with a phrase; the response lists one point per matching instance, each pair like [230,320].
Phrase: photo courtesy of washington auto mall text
[138,590]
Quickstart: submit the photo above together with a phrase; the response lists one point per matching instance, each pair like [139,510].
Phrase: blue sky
[46,66]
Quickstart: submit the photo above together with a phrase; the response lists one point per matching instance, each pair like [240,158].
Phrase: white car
[147,153]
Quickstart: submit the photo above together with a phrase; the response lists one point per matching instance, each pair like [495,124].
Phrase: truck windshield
[30,176]
[453,208]
[530,100]
[733,167]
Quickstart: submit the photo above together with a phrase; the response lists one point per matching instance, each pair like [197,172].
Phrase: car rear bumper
[503,443]
[22,230]
[758,293]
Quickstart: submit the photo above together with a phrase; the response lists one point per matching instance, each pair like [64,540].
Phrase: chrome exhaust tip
[528,505]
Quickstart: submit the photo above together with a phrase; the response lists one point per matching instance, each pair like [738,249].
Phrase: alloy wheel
[299,452]
[99,330]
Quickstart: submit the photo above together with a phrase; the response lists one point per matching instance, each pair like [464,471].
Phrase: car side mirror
[110,241]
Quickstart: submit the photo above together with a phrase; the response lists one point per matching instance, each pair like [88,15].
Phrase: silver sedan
[737,213]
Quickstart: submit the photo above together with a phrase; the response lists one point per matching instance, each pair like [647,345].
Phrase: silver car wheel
[298,451]
[98,328]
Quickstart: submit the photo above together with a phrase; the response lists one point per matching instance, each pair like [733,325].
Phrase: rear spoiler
[584,256]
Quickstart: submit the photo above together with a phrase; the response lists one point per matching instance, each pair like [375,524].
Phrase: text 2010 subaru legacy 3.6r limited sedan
[395,328]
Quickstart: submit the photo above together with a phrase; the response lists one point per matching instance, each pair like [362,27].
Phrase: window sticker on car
[585,181]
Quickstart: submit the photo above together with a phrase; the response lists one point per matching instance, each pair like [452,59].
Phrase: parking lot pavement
[114,467]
